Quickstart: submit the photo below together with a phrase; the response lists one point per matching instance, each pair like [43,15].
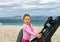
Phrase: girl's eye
[27,19]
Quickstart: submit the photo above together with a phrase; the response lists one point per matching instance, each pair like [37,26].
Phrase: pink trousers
[23,40]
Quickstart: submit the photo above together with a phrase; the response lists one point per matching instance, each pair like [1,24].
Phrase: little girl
[28,29]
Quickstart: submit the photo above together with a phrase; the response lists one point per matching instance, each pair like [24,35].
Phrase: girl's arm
[34,31]
[38,35]
[28,30]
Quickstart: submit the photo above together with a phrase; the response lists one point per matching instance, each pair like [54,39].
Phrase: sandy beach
[9,33]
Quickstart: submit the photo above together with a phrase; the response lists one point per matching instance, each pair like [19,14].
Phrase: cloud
[0,8]
[47,1]
[20,5]
[27,4]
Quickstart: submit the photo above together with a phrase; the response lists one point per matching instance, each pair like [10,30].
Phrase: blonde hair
[25,16]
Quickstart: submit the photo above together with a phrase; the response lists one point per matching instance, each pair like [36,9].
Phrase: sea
[35,22]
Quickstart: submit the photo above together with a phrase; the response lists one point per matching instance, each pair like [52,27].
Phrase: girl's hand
[39,36]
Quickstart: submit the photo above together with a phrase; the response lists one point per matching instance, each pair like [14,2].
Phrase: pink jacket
[28,31]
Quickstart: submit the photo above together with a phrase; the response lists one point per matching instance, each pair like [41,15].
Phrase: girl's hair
[25,16]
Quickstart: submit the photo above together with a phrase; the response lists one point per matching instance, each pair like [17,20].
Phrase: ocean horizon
[35,20]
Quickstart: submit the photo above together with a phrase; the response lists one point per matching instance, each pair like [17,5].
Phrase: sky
[9,8]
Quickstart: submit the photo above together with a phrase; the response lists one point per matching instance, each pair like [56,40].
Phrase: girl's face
[27,20]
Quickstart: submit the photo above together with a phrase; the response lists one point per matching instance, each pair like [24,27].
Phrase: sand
[9,33]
